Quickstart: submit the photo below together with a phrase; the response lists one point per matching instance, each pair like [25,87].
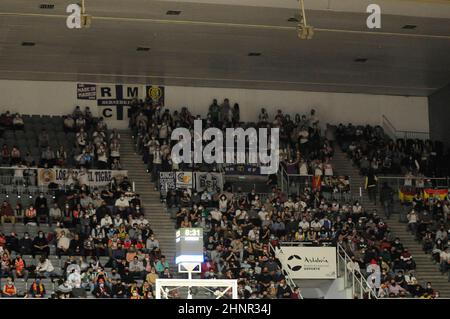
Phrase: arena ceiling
[209,42]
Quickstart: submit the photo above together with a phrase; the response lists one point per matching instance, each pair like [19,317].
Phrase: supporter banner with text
[206,180]
[308,262]
[86,91]
[183,180]
[166,182]
[64,176]
[242,169]
[199,181]
[114,100]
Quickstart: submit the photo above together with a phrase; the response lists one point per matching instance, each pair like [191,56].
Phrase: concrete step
[162,225]
[426,270]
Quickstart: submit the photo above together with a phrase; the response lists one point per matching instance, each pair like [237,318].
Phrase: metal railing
[414,182]
[18,176]
[288,278]
[353,279]
[392,132]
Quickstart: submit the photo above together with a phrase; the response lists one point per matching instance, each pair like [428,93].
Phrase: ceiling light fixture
[173,13]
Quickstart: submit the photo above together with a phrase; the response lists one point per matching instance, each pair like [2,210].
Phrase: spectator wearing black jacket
[40,245]
[76,246]
[26,245]
[387,199]
[102,290]
[283,290]
[12,242]
[41,208]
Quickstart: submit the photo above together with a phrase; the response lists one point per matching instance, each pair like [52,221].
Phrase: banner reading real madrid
[114,100]
[64,176]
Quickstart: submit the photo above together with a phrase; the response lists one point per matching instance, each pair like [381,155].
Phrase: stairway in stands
[155,212]
[426,270]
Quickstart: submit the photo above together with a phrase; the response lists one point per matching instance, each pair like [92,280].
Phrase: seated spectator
[37,289]
[7,213]
[9,289]
[30,216]
[20,268]
[69,124]
[6,155]
[121,206]
[15,155]
[47,157]
[26,245]
[43,138]
[62,244]
[55,214]
[102,290]
[161,265]
[136,268]
[17,122]
[40,245]
[44,268]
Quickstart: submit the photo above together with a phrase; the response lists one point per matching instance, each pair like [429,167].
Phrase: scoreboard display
[189,245]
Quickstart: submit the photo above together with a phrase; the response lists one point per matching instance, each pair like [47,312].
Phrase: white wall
[406,113]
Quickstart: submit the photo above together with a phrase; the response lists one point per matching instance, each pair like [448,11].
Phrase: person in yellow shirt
[152,276]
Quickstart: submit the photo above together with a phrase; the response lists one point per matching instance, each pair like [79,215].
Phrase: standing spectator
[41,208]
[387,199]
[371,185]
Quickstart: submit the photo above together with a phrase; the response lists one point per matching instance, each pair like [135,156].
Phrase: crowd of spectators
[93,145]
[239,227]
[85,226]
[428,221]
[372,150]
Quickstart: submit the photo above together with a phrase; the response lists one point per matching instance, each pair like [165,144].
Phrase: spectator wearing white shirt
[206,196]
[216,216]
[117,221]
[45,268]
[304,224]
[63,244]
[141,221]
[122,205]
[445,260]
[106,221]
[74,279]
